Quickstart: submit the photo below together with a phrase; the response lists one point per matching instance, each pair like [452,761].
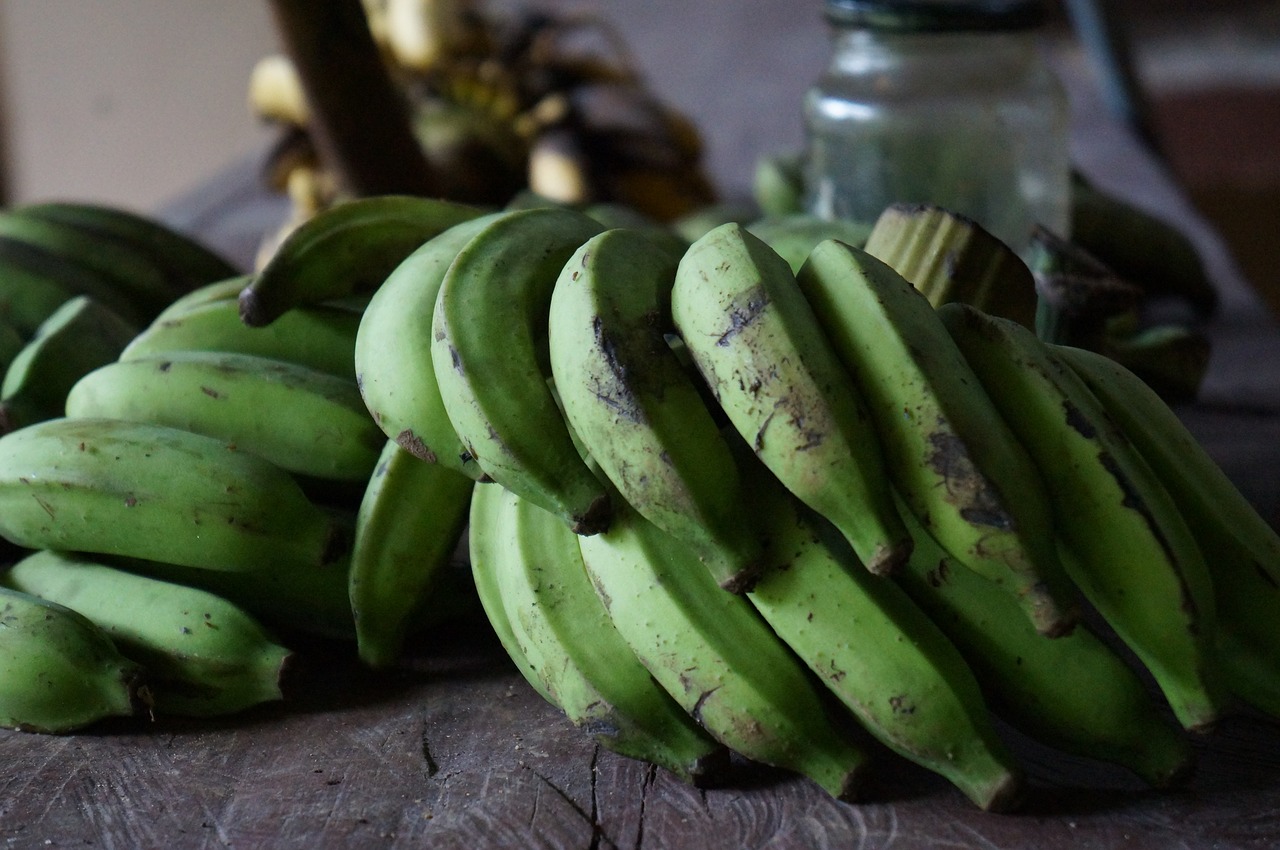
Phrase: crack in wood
[432,767]
[650,776]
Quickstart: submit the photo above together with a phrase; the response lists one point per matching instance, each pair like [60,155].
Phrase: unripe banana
[298,418]
[228,288]
[154,492]
[1124,541]
[634,407]
[565,635]
[1073,692]
[348,248]
[407,527]
[793,236]
[759,347]
[489,352]
[38,281]
[58,671]
[714,654]
[203,655]
[393,353]
[80,336]
[320,336]
[955,462]
[878,652]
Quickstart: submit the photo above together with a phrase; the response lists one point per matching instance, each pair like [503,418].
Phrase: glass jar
[947,102]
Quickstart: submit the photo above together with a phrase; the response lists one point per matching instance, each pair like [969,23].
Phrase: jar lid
[935,15]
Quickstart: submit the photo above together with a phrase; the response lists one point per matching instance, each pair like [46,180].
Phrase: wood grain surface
[454,750]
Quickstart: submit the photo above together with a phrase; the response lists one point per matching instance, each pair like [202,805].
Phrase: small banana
[227,288]
[187,263]
[633,406]
[1124,541]
[878,652]
[1073,692]
[154,492]
[1241,549]
[58,671]
[79,337]
[135,274]
[393,353]
[298,418]
[276,93]
[319,336]
[794,235]
[715,655]
[567,638]
[408,524]
[203,655]
[759,347]
[38,281]
[949,454]
[348,248]
[489,352]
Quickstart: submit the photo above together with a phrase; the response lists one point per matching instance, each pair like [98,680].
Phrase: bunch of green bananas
[728,502]
[721,495]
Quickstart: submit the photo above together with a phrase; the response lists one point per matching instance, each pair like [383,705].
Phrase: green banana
[11,343]
[793,236]
[79,337]
[715,655]
[187,262]
[1242,550]
[226,289]
[37,282]
[489,352]
[348,248]
[633,406]
[298,418]
[1073,693]
[777,183]
[949,454]
[408,524]
[759,347]
[950,257]
[154,492]
[393,353]
[1124,541]
[203,655]
[486,532]
[878,652]
[613,215]
[566,636]
[321,337]
[134,273]
[58,671]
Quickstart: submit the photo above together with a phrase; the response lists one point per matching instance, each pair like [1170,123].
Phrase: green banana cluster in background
[793,491]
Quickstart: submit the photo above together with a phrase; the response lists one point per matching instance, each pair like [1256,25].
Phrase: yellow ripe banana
[956,464]
[275,91]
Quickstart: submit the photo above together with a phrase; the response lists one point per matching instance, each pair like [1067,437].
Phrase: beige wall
[126,101]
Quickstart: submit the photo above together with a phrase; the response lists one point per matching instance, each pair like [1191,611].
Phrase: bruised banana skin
[714,654]
[489,352]
[320,336]
[634,407]
[58,671]
[486,535]
[79,337]
[1073,692]
[586,667]
[759,347]
[204,656]
[879,653]
[407,526]
[298,418]
[956,464]
[154,492]
[345,249]
[1124,541]
[188,264]
[393,353]
[1242,550]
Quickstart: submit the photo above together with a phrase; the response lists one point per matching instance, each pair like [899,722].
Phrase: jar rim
[937,15]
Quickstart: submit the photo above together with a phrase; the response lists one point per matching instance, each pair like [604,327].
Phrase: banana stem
[359,121]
